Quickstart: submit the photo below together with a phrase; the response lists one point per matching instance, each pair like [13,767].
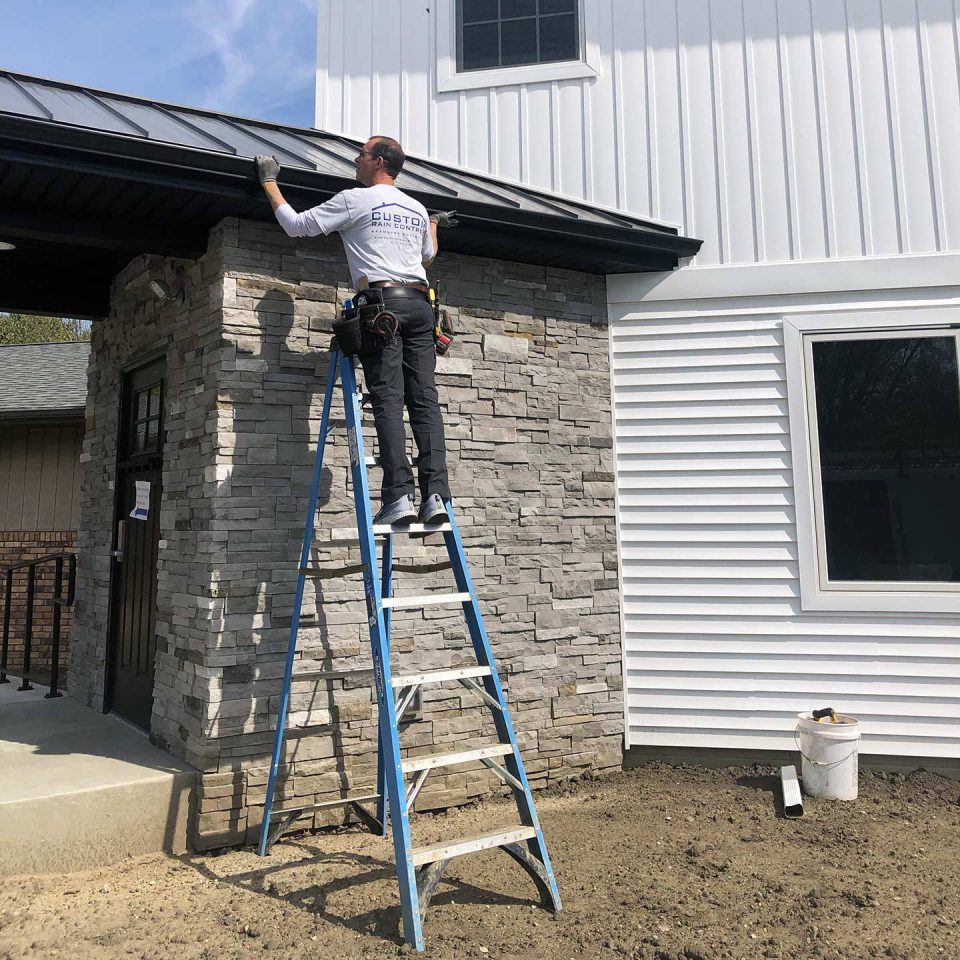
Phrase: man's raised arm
[324,219]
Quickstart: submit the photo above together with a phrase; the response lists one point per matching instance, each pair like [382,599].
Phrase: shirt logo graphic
[397,217]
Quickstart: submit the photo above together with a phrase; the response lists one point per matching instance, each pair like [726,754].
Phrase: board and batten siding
[718,651]
[40,477]
[770,129]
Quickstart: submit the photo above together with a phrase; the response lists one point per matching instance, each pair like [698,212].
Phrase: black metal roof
[42,380]
[89,179]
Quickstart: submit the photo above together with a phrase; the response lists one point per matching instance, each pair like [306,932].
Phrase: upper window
[886,447]
[145,425]
[511,33]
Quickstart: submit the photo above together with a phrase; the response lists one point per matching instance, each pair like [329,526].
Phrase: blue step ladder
[419,869]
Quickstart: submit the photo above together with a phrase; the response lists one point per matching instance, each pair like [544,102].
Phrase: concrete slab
[80,789]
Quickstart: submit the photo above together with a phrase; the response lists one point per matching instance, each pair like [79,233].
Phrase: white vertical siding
[771,129]
[717,650]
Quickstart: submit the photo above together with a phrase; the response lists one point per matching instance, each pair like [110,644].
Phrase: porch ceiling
[89,180]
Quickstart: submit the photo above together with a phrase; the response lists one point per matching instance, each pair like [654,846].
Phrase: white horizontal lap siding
[717,651]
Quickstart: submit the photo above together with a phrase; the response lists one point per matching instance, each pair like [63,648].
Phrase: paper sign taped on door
[141,510]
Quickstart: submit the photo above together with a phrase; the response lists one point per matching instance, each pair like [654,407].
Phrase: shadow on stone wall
[264,502]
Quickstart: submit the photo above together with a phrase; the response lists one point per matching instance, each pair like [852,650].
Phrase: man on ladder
[389,241]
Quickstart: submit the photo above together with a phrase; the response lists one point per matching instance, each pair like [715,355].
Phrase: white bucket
[829,756]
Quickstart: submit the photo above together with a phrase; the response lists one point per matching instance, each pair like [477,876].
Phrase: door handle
[121,538]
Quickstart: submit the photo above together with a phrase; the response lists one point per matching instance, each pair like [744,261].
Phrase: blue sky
[254,58]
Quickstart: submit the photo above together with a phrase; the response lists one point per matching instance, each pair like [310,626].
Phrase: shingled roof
[43,380]
[89,179]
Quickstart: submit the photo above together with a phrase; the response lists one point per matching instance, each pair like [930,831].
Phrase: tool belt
[365,324]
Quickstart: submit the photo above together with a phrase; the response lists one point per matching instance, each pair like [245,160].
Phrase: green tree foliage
[27,328]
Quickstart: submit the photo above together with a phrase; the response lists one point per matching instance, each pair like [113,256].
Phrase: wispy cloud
[251,57]
[262,60]
[219,28]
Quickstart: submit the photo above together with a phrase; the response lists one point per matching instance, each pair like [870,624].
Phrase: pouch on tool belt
[378,325]
[365,325]
[348,330]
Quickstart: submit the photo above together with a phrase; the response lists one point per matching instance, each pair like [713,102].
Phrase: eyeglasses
[363,153]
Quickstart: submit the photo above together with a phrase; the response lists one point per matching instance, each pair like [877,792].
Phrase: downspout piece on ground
[792,801]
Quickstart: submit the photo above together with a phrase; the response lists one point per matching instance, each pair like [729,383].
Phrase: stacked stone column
[526,398]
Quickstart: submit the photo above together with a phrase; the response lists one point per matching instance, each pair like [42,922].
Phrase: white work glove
[267,169]
[444,218]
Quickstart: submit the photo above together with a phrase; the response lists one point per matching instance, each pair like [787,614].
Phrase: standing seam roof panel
[296,148]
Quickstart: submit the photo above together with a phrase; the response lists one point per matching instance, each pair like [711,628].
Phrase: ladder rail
[386,591]
[406,699]
[386,714]
[265,838]
[501,717]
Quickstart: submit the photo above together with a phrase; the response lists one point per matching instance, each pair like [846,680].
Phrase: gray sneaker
[398,513]
[432,510]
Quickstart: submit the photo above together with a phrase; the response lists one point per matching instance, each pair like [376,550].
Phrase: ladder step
[326,805]
[364,673]
[428,600]
[438,676]
[450,759]
[382,529]
[348,535]
[425,567]
[316,573]
[457,848]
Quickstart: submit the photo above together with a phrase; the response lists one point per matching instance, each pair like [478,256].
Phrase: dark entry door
[136,542]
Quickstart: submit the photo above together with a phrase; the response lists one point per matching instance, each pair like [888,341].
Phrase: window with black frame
[145,426]
[512,33]
[887,448]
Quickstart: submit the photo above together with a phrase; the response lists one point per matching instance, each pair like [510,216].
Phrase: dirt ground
[659,863]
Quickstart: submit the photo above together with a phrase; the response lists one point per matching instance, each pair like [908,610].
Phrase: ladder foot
[549,896]
[430,874]
[371,822]
[271,836]
[428,877]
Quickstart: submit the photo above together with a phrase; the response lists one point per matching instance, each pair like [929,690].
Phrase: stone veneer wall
[191,340]
[526,395]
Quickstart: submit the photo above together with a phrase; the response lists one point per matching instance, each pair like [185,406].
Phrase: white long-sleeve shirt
[385,232]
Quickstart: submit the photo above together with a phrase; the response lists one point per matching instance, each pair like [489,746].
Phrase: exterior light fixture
[7,246]
[161,290]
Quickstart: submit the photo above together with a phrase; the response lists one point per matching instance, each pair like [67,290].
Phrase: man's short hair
[392,153]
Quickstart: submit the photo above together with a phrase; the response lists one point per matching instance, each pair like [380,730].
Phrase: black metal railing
[57,599]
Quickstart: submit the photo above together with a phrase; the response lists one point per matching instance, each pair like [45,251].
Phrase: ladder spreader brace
[419,869]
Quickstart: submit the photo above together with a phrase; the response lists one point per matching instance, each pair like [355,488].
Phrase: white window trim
[815,593]
[448,79]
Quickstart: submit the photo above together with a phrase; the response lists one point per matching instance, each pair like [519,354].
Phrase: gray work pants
[403,372]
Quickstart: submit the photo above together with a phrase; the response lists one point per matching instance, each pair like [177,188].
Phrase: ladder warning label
[354,449]
[371,604]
